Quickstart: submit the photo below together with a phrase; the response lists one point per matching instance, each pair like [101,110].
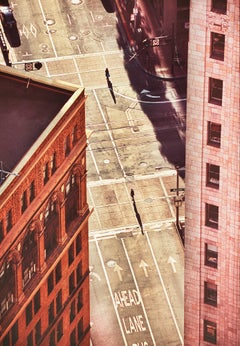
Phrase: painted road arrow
[118,269]
[144,266]
[172,261]
[93,274]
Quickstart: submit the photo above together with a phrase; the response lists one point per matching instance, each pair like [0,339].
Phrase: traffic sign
[179,189]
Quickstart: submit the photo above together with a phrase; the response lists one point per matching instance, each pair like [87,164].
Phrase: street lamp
[178,199]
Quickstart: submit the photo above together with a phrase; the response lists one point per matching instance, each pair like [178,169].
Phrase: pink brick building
[212,280]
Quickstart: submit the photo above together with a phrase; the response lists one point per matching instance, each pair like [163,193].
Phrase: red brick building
[212,236]
[44,270]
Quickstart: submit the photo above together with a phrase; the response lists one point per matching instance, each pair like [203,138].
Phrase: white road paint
[164,289]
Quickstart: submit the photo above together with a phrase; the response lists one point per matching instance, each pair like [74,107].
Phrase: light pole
[178,199]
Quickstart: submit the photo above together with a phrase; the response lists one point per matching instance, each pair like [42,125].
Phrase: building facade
[44,269]
[212,236]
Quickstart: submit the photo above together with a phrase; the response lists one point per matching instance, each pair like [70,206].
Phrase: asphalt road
[136,279]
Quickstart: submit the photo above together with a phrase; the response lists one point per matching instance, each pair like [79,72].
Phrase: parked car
[7,18]
[10,26]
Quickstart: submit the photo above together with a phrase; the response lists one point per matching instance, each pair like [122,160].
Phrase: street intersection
[136,274]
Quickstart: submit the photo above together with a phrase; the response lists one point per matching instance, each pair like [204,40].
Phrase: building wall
[212,289]
[44,253]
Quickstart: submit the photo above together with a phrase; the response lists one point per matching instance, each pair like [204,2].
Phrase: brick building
[212,239]
[44,270]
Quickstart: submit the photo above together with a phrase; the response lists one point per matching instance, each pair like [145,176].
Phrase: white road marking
[136,284]
[49,33]
[111,294]
[110,134]
[164,289]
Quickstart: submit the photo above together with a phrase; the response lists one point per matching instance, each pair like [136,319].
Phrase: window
[73,338]
[28,313]
[211,255]
[215,91]
[32,191]
[74,135]
[213,173]
[78,243]
[72,311]
[79,272]
[46,173]
[36,301]
[12,337]
[29,262]
[71,283]
[9,220]
[53,163]
[219,6]
[67,146]
[30,339]
[211,215]
[210,293]
[38,332]
[80,329]
[79,300]
[50,283]
[58,272]
[59,330]
[71,254]
[24,201]
[51,313]
[217,46]
[52,341]
[1,231]
[59,301]
[214,134]
[210,332]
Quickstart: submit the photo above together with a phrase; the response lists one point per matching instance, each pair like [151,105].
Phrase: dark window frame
[212,215]
[212,175]
[215,91]
[214,134]
[217,46]
[71,254]
[9,220]
[24,203]
[210,332]
[211,255]
[32,191]
[219,6]
[29,313]
[37,301]
[210,293]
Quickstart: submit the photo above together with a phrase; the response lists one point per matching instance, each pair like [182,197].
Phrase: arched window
[71,204]
[7,284]
[51,223]
[29,254]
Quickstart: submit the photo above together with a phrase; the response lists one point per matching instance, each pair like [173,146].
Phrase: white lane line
[94,161]
[78,71]
[167,197]
[49,33]
[111,294]
[164,289]
[136,284]
[110,133]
